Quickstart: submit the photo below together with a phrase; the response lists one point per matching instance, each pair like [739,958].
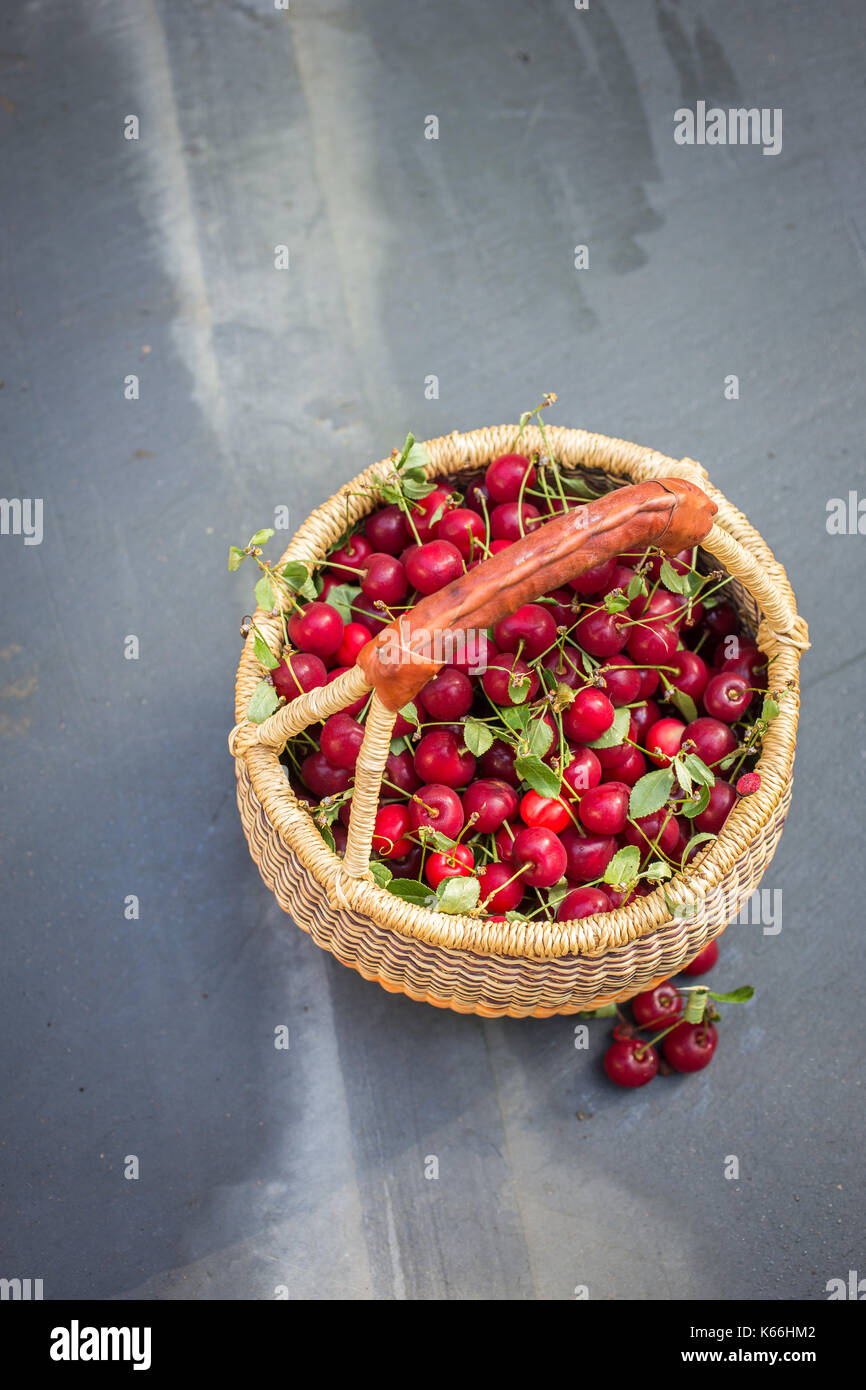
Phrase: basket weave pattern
[522,968]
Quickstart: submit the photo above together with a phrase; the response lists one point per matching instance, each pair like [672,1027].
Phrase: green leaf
[699,770]
[671,579]
[458,894]
[397,745]
[512,915]
[404,452]
[410,714]
[518,688]
[636,585]
[341,597]
[263,701]
[558,892]
[615,602]
[392,494]
[415,488]
[735,996]
[327,836]
[657,871]
[684,777]
[263,651]
[434,839]
[606,1011]
[261,536]
[236,557]
[769,709]
[696,840]
[691,808]
[650,792]
[587,662]
[617,732]
[265,594]
[295,574]
[684,703]
[541,778]
[477,737]
[577,485]
[623,868]
[515,716]
[411,891]
[540,738]
[381,873]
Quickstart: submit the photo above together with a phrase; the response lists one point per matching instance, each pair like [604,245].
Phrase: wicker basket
[513,968]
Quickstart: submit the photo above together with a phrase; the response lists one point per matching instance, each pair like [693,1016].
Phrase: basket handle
[670,512]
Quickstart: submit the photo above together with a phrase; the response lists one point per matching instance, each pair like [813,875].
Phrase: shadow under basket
[523,968]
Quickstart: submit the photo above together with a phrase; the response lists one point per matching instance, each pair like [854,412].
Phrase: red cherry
[298,673]
[657,1008]
[364,612]
[590,715]
[428,511]
[384,578]
[722,799]
[447,696]
[712,740]
[540,855]
[594,580]
[457,862]
[643,716]
[474,654]
[663,741]
[544,812]
[531,625]
[504,896]
[751,664]
[478,497]
[341,740]
[690,1046]
[681,562]
[430,567]
[318,628]
[505,670]
[565,667]
[604,809]
[437,806]
[703,961]
[649,682]
[491,802]
[349,560]
[621,679]
[561,609]
[322,777]
[721,620]
[727,697]
[504,841]
[647,830]
[601,633]
[583,772]
[582,902]
[505,477]
[630,770]
[387,531]
[355,636]
[465,530]
[690,674]
[620,579]
[498,762]
[400,771]
[653,644]
[512,520]
[440,758]
[588,855]
[629,1062]
[389,832]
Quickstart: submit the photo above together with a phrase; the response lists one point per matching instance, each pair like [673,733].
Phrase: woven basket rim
[457,454]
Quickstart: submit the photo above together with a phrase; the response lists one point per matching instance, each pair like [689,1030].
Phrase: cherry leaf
[650,792]
[263,702]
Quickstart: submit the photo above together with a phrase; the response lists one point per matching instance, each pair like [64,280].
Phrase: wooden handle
[670,513]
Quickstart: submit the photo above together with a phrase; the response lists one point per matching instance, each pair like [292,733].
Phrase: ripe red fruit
[721,620]
[690,1046]
[540,856]
[653,644]
[440,758]
[322,777]
[587,855]
[318,628]
[389,832]
[428,511]
[349,560]
[657,1008]
[604,809]
[727,697]
[703,961]
[465,530]
[478,497]
[649,682]
[749,783]
[341,740]
[505,670]
[447,696]
[630,1062]
[645,831]
[409,866]
[355,636]
[583,772]
[590,715]
[384,578]
[492,803]
[722,799]
[457,862]
[505,477]
[750,663]
[601,633]
[499,761]
[582,902]
[298,673]
[531,625]
[400,771]
[504,840]
[503,896]
[547,812]
[565,667]
[437,806]
[690,674]
[594,580]
[387,531]
[663,741]
[622,680]
[643,716]
[430,567]
[712,740]
[629,770]
[512,520]
[364,612]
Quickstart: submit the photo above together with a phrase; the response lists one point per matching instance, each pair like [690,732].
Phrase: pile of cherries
[615,638]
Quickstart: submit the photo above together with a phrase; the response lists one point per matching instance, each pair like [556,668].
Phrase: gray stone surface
[409,257]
